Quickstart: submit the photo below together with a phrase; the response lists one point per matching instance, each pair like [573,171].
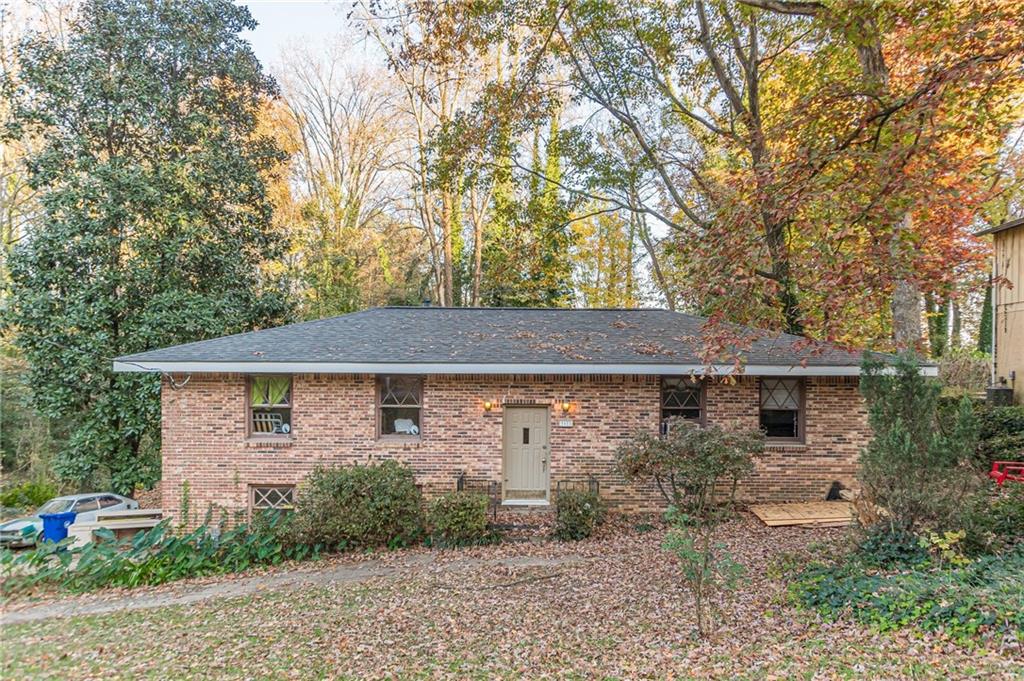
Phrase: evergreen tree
[156,223]
[985,325]
[916,463]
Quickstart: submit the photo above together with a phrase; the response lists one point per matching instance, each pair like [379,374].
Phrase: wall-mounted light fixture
[488,405]
[566,406]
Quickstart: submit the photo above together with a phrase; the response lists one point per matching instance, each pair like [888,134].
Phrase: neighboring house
[1008,305]
[524,398]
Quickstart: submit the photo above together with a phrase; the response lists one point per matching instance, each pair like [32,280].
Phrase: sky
[290,22]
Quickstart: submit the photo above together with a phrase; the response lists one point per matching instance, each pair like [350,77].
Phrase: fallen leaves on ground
[608,607]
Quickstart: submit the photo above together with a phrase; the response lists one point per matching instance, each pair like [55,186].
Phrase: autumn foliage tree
[819,164]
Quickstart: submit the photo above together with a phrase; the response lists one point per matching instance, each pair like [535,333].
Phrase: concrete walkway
[246,586]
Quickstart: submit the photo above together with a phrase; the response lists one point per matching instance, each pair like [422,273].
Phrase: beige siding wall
[1009,299]
[205,447]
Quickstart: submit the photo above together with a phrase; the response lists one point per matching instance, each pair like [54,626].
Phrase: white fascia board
[461,368]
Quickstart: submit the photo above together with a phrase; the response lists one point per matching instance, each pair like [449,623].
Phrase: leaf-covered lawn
[613,611]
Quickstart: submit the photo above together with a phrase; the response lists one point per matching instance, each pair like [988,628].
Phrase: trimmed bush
[579,513]
[355,507]
[1000,434]
[458,519]
[993,522]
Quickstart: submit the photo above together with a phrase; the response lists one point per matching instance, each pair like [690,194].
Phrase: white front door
[526,454]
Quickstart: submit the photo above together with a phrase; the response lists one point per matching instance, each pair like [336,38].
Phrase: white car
[26,530]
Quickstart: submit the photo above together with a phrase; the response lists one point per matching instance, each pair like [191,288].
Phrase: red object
[1007,470]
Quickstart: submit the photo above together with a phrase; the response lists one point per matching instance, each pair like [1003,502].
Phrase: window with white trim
[399,405]
[270,406]
[782,404]
[272,497]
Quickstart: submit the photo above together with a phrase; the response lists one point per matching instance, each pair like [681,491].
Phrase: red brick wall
[333,420]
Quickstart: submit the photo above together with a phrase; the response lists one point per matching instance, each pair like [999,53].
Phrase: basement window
[681,397]
[272,497]
[270,406]
[782,409]
[399,405]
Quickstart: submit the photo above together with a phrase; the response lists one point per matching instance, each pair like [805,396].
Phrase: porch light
[488,405]
[566,406]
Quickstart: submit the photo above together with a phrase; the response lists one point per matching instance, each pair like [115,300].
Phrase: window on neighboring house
[399,405]
[276,497]
[681,397]
[270,405]
[782,402]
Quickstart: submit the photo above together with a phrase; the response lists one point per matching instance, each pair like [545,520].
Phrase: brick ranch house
[522,400]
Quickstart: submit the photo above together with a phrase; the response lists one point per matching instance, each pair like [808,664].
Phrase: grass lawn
[615,611]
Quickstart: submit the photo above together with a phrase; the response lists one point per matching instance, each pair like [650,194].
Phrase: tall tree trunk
[906,296]
[448,272]
[477,216]
[955,324]
[659,274]
[865,35]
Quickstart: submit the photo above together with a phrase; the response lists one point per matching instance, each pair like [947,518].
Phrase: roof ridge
[522,309]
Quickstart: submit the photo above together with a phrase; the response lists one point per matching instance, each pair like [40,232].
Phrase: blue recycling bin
[55,525]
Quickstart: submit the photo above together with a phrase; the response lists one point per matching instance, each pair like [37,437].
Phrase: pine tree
[914,466]
[985,325]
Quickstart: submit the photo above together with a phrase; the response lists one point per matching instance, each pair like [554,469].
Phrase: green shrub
[689,462]
[30,495]
[884,546]
[915,465]
[967,602]
[354,507]
[459,519]
[993,522]
[1000,434]
[152,557]
[579,513]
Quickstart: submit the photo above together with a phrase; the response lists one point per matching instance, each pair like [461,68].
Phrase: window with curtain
[681,397]
[782,402]
[270,405]
[399,403]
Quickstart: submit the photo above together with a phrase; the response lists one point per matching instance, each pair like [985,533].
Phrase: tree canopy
[155,224]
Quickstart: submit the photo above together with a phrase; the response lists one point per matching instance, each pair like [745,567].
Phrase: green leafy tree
[155,222]
[706,568]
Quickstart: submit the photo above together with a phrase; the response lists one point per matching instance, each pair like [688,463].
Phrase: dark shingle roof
[493,336]
[1002,227]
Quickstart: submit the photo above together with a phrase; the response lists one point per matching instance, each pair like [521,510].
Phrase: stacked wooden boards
[811,514]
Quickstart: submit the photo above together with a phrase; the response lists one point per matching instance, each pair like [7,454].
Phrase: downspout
[995,310]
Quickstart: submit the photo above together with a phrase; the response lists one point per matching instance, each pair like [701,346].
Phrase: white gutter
[995,313]
[489,368]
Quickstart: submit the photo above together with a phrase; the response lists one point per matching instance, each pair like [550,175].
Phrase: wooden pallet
[811,513]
